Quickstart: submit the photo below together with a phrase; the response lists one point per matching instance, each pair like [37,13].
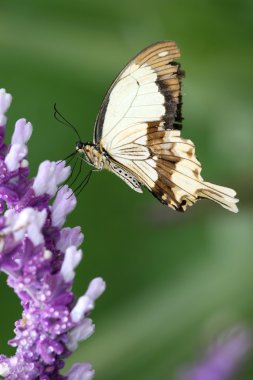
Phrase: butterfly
[137,133]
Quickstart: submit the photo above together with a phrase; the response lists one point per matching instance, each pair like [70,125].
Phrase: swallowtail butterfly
[137,134]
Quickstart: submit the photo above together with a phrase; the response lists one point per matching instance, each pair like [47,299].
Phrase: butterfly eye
[79,145]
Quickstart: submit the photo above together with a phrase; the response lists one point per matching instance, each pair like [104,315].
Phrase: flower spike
[39,257]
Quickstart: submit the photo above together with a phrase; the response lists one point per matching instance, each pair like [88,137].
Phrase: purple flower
[39,258]
[223,358]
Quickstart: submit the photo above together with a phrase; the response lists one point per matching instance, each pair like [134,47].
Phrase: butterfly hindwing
[166,164]
[124,174]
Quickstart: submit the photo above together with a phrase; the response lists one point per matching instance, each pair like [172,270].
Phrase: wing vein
[124,114]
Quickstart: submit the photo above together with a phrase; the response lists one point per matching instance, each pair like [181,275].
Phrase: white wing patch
[134,99]
[130,152]
[163,53]
[120,101]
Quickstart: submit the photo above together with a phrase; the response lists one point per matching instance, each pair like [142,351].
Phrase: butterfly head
[91,154]
[79,146]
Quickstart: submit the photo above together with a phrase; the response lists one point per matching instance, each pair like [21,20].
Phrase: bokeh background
[174,281]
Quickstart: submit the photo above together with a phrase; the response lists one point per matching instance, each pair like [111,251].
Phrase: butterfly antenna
[61,119]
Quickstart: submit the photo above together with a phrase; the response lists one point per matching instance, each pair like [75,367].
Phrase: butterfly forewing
[147,89]
[138,127]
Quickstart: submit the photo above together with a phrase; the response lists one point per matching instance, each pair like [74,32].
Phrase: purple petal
[71,260]
[49,176]
[4,369]
[64,203]
[48,348]
[33,221]
[96,288]
[61,172]
[28,221]
[83,331]
[37,220]
[81,371]
[15,156]
[86,303]
[69,237]
[22,132]
[5,101]
[44,182]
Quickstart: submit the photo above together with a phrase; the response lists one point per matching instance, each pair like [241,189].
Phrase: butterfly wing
[148,88]
[139,127]
[167,165]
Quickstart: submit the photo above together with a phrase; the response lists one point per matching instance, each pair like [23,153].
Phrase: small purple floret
[81,371]
[39,258]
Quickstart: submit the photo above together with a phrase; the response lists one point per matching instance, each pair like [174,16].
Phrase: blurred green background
[173,280]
